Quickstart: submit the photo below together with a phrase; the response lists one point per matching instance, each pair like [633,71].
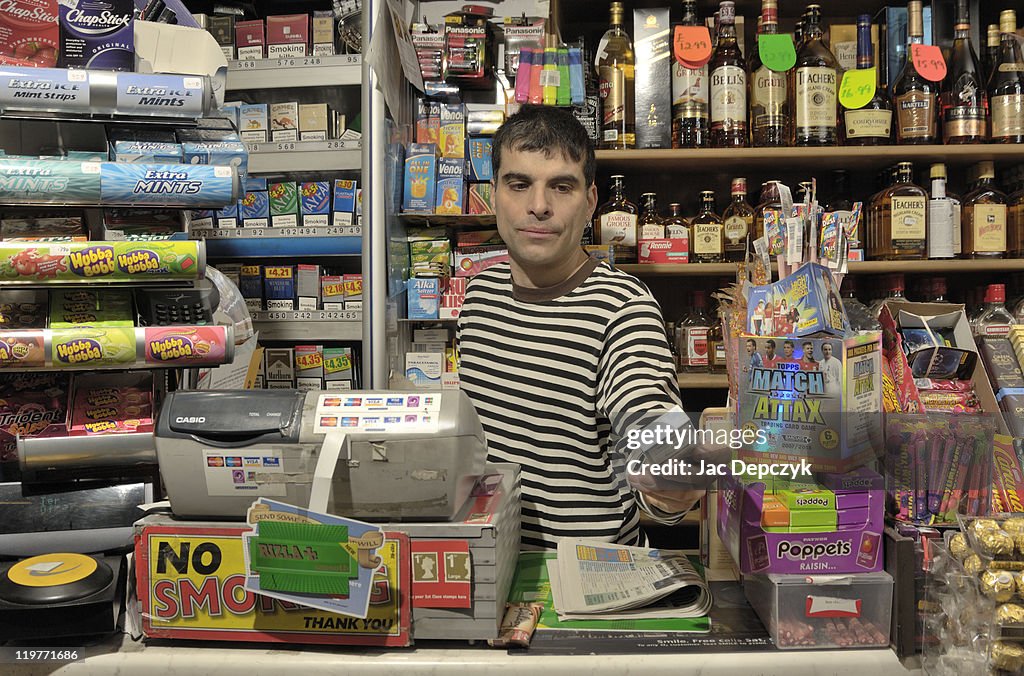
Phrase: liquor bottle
[940,216]
[938,291]
[716,344]
[689,95]
[858,313]
[814,86]
[769,106]
[615,67]
[872,124]
[991,50]
[589,113]
[1006,84]
[770,200]
[903,224]
[894,285]
[728,84]
[677,227]
[839,196]
[984,217]
[1015,224]
[738,222]
[875,241]
[706,232]
[957,203]
[692,333]
[914,98]
[995,320]
[964,100]
[616,223]
[650,225]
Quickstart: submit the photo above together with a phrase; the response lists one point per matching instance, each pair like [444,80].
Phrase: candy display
[91,262]
[119,403]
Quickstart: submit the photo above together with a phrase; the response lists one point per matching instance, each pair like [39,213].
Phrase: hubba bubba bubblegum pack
[804,382]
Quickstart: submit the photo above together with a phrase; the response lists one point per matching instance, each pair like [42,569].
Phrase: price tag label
[691,45]
[857,89]
[928,61]
[777,51]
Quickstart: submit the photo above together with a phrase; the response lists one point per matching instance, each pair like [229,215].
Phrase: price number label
[858,88]
[691,45]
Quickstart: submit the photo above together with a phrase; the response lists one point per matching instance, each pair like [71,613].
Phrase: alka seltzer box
[453,130]
[323,33]
[250,285]
[344,202]
[424,297]
[284,121]
[332,292]
[307,286]
[254,209]
[29,31]
[315,203]
[254,122]
[284,204]
[97,35]
[420,178]
[451,186]
[338,368]
[287,36]
[250,40]
[309,367]
[813,399]
[279,287]
[848,548]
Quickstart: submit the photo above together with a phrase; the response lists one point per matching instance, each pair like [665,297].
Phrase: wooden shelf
[787,159]
[455,221]
[703,381]
[952,266]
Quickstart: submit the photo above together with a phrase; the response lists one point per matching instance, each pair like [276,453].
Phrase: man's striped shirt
[556,375]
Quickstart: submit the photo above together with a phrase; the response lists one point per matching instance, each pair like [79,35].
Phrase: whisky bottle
[875,244]
[914,98]
[769,105]
[991,51]
[940,216]
[814,86]
[872,124]
[677,227]
[650,225]
[615,68]
[616,223]
[1015,224]
[716,344]
[903,210]
[706,232]
[738,222]
[769,201]
[694,353]
[995,320]
[964,100]
[1006,85]
[728,84]
[984,217]
[689,95]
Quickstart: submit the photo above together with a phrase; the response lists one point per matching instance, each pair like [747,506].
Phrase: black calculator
[171,306]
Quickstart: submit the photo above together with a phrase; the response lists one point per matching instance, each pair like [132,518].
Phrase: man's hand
[673,502]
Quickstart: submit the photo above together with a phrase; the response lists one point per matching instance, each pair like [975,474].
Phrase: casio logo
[190,420]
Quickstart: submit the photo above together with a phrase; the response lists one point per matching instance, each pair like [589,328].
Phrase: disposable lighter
[523,75]
[562,96]
[549,77]
[576,91]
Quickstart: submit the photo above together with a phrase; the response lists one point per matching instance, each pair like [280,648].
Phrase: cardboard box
[222,27]
[805,303]
[307,286]
[284,204]
[279,287]
[217,153]
[843,39]
[250,40]
[313,122]
[332,290]
[664,250]
[100,36]
[453,130]
[315,203]
[284,121]
[480,158]
[480,200]
[851,548]
[424,369]
[420,178]
[280,364]
[809,407]
[250,284]
[323,33]
[652,40]
[451,186]
[424,295]
[474,260]
[287,36]
[254,123]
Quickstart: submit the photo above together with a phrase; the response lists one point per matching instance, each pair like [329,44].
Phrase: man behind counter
[561,355]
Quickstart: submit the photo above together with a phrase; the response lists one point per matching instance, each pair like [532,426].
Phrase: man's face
[769,349]
[808,350]
[788,349]
[750,348]
[826,350]
[542,206]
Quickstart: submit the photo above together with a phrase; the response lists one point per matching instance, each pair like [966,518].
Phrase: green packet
[88,347]
[71,308]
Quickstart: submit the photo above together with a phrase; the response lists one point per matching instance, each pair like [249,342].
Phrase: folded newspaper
[592,579]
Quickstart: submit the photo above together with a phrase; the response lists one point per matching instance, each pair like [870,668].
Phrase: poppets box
[851,546]
[813,399]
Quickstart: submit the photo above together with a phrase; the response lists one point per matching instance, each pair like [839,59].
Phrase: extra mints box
[284,204]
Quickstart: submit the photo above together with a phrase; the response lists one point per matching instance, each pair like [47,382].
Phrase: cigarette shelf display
[319,325]
[305,156]
[343,240]
[78,263]
[85,348]
[308,71]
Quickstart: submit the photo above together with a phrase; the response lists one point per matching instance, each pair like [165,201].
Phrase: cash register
[411,461]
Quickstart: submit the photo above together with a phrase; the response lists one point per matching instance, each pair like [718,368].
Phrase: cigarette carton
[284,121]
[284,204]
[323,33]
[250,285]
[308,286]
[279,287]
[254,122]
[315,203]
[250,40]
[254,209]
[279,364]
[287,36]
[313,122]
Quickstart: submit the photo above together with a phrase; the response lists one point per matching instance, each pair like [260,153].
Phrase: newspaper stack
[593,579]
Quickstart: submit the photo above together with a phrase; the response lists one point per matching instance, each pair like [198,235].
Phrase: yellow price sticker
[857,88]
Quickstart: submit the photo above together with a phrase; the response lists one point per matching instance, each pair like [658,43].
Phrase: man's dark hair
[751,341]
[545,129]
[771,344]
[788,343]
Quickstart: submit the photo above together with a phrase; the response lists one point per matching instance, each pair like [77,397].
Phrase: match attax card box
[813,398]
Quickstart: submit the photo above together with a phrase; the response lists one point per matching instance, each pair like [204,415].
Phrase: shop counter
[124,656]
